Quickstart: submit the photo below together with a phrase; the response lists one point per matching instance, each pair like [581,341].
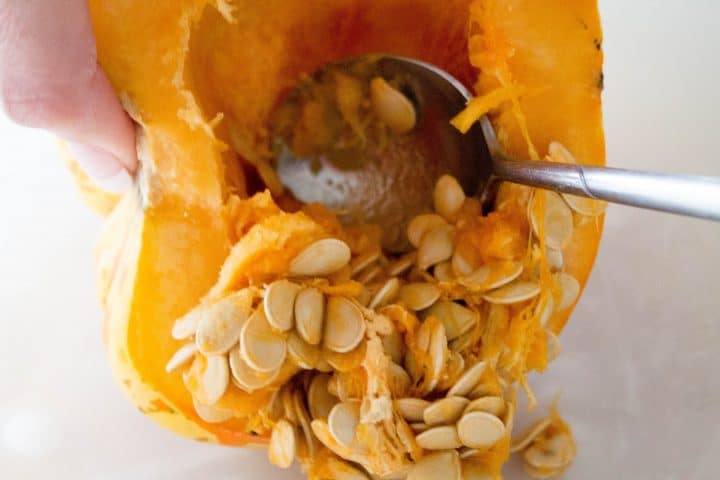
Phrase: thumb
[50,79]
[104,168]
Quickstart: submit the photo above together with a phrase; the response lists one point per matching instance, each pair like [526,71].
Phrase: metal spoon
[393,183]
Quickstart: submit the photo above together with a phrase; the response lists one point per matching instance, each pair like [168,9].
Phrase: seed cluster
[431,406]
[547,447]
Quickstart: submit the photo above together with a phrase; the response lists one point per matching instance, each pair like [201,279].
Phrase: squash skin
[174,222]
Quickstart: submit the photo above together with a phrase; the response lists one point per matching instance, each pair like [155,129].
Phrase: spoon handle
[690,195]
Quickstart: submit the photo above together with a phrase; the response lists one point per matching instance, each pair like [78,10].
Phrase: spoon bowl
[387,180]
[394,180]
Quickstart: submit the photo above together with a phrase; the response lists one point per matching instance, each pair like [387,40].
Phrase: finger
[49,78]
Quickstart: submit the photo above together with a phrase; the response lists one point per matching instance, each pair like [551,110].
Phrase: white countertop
[638,373]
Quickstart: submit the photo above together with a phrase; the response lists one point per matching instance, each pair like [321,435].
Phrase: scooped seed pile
[389,366]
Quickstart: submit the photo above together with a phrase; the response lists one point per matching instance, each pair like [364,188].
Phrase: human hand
[50,79]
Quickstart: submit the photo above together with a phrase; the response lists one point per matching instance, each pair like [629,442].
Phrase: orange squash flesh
[201,78]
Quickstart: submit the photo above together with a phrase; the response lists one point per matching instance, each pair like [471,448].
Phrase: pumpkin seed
[484,390]
[411,409]
[283,444]
[398,380]
[402,264]
[456,319]
[419,296]
[435,246]
[369,274]
[212,413]
[394,346]
[437,353]
[207,378]
[275,409]
[343,420]
[466,452]
[183,355]
[320,400]
[364,260]
[302,353]
[461,267]
[554,258]
[288,404]
[558,153]
[448,197]
[591,207]
[304,419]
[445,411]
[554,453]
[584,206]
[439,438]
[261,347]
[492,275]
[322,432]
[219,327]
[532,432]
[366,293]
[342,387]
[480,430]
[570,288]
[391,106]
[321,258]
[386,293]
[490,404]
[419,427]
[339,470]
[553,345]
[498,316]
[309,312]
[437,466]
[279,304]
[422,224]
[443,272]
[558,219]
[453,371]
[468,381]
[548,307]
[413,363]
[247,378]
[464,341]
[186,326]
[344,325]
[515,292]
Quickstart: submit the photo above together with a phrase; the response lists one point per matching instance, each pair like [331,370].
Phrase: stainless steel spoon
[394,183]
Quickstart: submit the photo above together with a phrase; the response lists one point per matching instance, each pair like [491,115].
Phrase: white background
[638,373]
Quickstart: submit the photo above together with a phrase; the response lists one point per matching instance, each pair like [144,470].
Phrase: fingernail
[119,183]
[103,168]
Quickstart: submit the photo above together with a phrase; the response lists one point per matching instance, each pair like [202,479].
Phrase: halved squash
[201,78]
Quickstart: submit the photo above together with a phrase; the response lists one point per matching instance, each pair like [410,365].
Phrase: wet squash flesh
[202,77]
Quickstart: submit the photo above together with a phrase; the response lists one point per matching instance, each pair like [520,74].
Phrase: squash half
[201,78]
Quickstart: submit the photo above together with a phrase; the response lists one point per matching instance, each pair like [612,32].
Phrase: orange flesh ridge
[190,72]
